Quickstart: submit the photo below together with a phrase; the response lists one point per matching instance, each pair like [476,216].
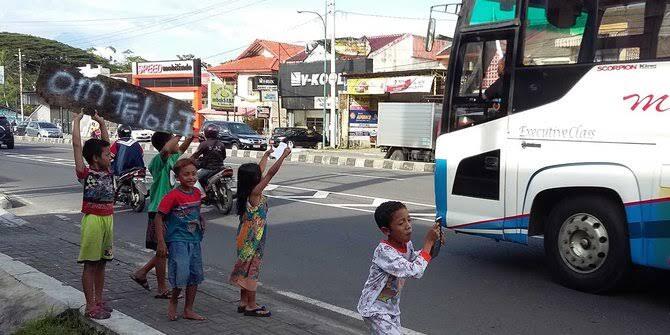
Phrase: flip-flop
[144,283]
[167,295]
[255,312]
[241,309]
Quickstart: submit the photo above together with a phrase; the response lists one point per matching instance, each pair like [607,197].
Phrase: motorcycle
[218,191]
[131,189]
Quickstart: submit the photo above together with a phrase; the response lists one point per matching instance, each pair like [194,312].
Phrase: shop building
[252,80]
[302,87]
[179,79]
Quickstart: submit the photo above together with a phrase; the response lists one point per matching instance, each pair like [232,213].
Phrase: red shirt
[98,192]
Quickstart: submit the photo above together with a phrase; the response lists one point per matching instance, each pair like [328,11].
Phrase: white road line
[69,296]
[365,176]
[334,308]
[376,200]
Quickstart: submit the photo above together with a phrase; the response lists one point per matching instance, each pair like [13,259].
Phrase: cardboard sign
[115,100]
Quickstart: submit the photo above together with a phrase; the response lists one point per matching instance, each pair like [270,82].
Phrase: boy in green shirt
[160,167]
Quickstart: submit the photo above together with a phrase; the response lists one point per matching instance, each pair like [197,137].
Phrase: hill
[36,51]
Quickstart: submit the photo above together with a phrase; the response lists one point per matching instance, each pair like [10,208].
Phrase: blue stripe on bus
[441,190]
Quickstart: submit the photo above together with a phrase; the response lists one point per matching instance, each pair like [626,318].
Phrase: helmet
[211,131]
[124,131]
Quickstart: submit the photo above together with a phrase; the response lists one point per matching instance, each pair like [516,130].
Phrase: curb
[316,158]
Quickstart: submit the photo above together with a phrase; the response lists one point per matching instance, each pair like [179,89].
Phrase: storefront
[179,79]
[365,91]
[302,87]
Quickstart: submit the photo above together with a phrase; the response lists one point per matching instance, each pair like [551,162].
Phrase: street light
[325,70]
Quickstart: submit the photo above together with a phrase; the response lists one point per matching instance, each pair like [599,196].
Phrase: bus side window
[620,33]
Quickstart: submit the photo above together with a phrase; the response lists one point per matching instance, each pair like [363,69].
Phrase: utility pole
[21,82]
[333,79]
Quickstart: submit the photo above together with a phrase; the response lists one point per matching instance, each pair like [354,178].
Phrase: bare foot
[172,310]
[191,315]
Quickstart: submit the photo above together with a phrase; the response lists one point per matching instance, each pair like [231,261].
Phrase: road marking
[365,176]
[334,308]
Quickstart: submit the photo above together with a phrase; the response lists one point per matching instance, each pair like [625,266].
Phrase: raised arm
[76,143]
[184,146]
[258,190]
[167,148]
[104,134]
[264,161]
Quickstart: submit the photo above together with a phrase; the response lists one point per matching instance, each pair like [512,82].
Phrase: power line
[89,20]
[390,16]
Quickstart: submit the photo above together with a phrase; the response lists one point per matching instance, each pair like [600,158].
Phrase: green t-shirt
[160,171]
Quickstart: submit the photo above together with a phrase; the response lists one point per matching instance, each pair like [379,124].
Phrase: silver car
[43,129]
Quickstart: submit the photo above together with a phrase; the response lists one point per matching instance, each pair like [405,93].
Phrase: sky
[214,30]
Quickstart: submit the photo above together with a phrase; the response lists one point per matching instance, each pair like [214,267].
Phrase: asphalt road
[321,237]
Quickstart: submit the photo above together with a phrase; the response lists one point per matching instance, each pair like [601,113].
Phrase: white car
[141,135]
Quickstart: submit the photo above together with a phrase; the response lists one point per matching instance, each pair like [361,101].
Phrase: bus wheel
[586,244]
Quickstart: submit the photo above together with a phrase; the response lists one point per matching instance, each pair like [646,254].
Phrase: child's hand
[79,116]
[271,149]
[97,118]
[286,152]
[433,234]
[161,251]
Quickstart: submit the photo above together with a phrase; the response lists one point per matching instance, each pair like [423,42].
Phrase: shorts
[97,238]
[151,241]
[184,264]
[384,324]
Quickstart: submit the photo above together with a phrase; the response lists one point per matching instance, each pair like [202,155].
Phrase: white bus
[556,123]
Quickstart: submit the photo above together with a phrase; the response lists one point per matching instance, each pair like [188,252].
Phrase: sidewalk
[51,246]
[370,159]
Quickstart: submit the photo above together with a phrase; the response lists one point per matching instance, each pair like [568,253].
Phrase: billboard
[223,96]
[167,67]
[408,84]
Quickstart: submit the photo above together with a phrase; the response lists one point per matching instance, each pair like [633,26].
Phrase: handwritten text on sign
[115,100]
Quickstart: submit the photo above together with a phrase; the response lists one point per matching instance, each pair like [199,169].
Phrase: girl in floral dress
[252,208]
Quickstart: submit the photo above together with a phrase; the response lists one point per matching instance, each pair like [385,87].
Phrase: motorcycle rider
[210,155]
[126,152]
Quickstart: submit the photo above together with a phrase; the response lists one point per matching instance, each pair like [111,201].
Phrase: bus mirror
[563,13]
[430,36]
[507,5]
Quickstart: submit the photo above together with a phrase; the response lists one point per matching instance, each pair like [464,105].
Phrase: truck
[408,131]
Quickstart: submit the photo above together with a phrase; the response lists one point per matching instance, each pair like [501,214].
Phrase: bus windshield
[491,11]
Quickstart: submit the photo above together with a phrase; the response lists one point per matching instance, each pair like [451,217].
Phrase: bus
[556,124]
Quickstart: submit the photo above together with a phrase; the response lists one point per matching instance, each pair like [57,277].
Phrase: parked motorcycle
[131,189]
[218,191]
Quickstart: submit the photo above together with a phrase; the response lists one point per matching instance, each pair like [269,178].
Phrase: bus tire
[586,244]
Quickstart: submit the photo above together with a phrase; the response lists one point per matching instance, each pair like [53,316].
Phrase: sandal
[241,309]
[98,313]
[142,282]
[167,295]
[255,312]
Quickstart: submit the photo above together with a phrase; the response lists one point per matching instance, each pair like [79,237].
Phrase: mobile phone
[438,244]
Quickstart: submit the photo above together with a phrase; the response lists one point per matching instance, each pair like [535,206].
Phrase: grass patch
[67,323]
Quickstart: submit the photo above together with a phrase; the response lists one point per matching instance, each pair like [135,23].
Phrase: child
[184,229]
[394,260]
[159,167]
[252,208]
[97,225]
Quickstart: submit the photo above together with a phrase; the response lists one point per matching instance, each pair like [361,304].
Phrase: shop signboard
[263,83]
[363,103]
[362,117]
[318,102]
[262,112]
[223,96]
[372,86]
[167,68]
[114,100]
[270,96]
[352,47]
[308,79]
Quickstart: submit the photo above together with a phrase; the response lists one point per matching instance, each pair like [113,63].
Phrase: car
[43,129]
[141,135]
[296,137]
[6,134]
[237,135]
